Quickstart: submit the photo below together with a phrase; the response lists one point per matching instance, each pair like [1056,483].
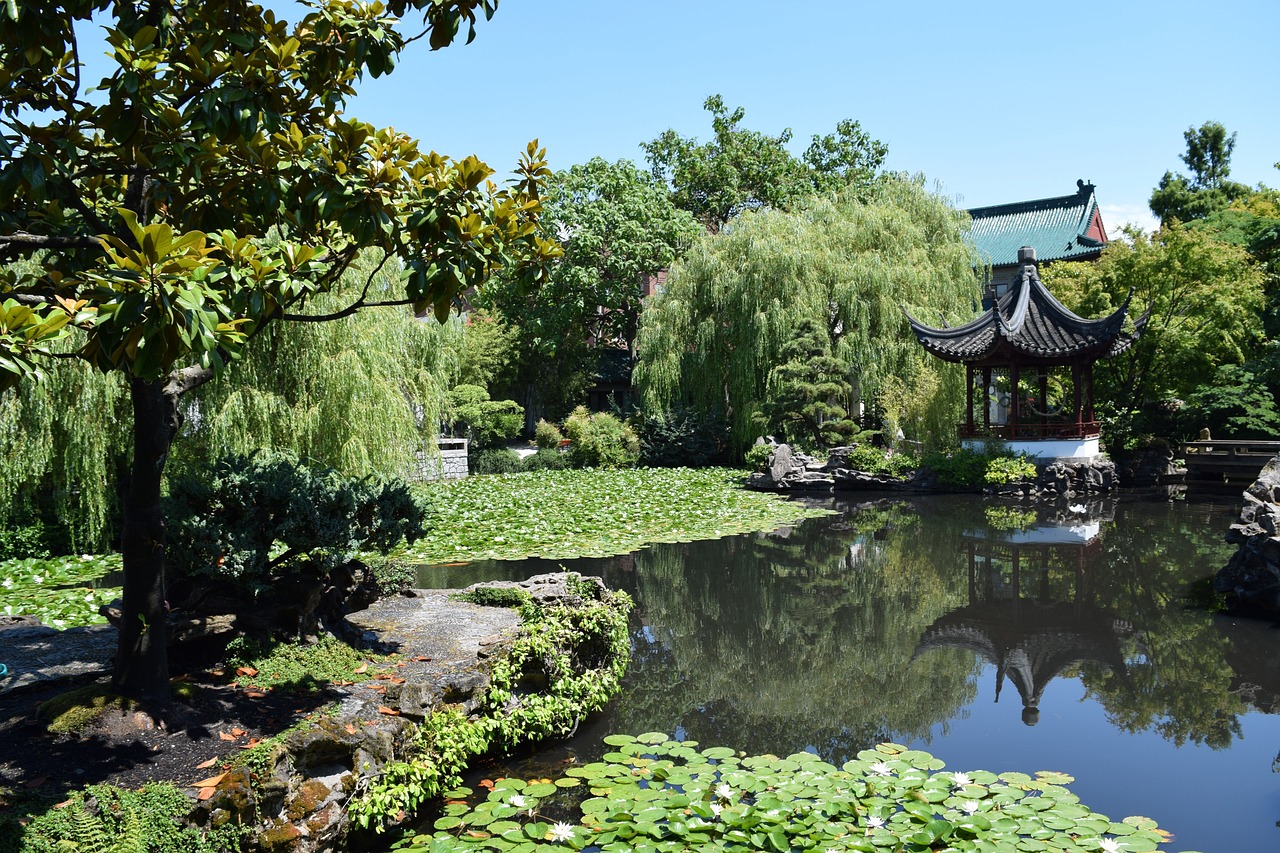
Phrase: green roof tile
[1057,228]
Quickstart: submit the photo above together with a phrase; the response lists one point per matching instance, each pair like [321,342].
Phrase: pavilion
[1029,368]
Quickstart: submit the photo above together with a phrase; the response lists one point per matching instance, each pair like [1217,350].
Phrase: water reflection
[904,620]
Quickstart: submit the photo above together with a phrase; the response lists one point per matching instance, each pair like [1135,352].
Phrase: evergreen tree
[809,393]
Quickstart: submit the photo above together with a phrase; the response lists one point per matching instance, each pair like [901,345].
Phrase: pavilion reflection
[1032,607]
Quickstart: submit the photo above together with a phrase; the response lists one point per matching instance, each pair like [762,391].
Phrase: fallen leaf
[364,667]
[486,783]
[205,765]
[211,782]
[206,793]
[253,741]
[376,688]
[178,678]
[383,676]
[397,681]
[225,736]
[392,712]
[239,732]
[477,834]
[255,694]
[246,670]
[422,657]
[350,729]
[62,805]
[402,663]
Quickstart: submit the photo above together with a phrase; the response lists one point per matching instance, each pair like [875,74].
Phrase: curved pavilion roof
[1030,325]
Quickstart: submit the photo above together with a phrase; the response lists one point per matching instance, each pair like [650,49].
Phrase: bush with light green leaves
[653,794]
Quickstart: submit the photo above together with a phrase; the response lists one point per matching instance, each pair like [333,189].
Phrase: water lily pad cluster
[653,794]
[61,591]
[590,513]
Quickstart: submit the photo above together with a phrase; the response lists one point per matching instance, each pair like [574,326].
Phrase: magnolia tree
[208,187]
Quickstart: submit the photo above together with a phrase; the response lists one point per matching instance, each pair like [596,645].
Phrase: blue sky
[994,101]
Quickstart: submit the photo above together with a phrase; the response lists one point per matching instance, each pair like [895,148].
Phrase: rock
[788,470]
[1251,578]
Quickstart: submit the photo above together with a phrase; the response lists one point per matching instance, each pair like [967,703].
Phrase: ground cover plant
[654,794]
[589,513]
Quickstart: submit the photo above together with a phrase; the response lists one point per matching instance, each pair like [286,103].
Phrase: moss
[495,596]
[72,712]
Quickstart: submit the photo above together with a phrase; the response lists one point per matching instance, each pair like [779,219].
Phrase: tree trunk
[142,661]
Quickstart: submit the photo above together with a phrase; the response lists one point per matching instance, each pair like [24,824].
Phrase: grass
[590,513]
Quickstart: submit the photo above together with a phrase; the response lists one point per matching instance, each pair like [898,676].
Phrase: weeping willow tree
[363,394]
[62,462]
[850,262]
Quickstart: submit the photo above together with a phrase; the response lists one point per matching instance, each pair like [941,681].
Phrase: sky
[992,102]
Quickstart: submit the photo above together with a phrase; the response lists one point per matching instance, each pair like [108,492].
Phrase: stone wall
[452,464]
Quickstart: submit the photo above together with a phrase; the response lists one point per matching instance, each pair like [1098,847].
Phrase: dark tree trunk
[142,662]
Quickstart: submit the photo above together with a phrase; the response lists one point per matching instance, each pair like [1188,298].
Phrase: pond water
[996,637]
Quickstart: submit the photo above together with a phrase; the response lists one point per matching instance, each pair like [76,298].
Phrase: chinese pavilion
[1029,367]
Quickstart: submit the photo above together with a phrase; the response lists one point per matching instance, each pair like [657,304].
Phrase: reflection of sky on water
[816,641]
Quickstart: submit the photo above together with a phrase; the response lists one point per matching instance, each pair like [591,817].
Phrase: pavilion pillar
[986,399]
[1075,389]
[1044,401]
[1013,400]
[1088,387]
[968,421]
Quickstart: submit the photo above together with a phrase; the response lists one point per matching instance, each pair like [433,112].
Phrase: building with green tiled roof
[1065,228]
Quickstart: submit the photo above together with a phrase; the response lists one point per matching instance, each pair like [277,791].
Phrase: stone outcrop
[791,471]
[1251,579]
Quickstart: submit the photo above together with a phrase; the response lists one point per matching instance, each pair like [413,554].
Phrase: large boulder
[1251,579]
[789,470]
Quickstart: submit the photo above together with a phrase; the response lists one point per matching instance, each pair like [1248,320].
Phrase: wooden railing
[1234,463]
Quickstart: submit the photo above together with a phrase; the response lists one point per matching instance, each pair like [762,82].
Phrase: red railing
[1011,432]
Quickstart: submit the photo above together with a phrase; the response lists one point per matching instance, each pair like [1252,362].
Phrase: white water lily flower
[6,583]
[519,801]
[970,806]
[37,579]
[561,832]
[716,808]
[881,769]
[874,822]
[1110,845]
[724,792]
[961,779]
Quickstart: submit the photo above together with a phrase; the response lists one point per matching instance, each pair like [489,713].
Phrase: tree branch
[345,312]
[183,380]
[50,241]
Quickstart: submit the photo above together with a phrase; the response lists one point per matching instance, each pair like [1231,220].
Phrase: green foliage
[876,460]
[547,435]
[546,460]
[888,798]
[589,513]
[576,654]
[1009,518]
[299,667]
[1205,299]
[255,519]
[682,436]
[808,395]
[1208,156]
[107,819]
[392,575]
[61,592]
[362,394]
[487,349]
[746,170]
[24,541]
[1235,404]
[1009,469]
[965,467]
[76,710]
[848,264]
[496,596]
[757,456]
[495,460]
[487,423]
[600,440]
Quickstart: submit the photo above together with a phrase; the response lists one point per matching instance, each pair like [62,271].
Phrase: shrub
[875,460]
[600,440]
[546,460]
[682,438]
[959,468]
[757,456]
[487,423]
[253,520]
[1009,469]
[23,541]
[495,460]
[547,435]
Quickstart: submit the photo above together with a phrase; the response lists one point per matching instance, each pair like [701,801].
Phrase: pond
[996,637]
